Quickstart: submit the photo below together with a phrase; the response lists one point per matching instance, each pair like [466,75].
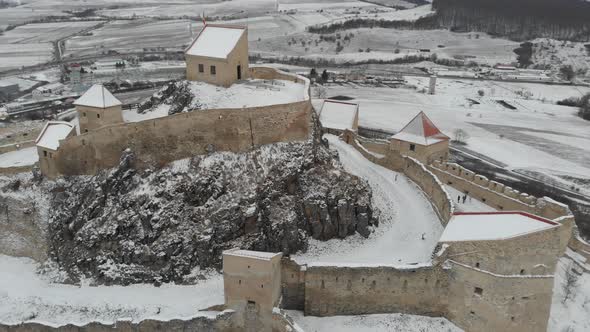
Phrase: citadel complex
[489,271]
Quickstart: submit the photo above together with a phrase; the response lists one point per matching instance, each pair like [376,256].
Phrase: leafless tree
[460,136]
[320,92]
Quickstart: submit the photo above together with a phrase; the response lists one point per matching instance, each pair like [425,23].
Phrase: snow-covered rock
[126,225]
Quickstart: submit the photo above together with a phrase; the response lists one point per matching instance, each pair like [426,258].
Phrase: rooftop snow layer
[338,115]
[216,41]
[421,130]
[252,254]
[98,96]
[492,226]
[52,133]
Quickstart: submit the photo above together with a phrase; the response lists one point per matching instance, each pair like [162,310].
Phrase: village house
[219,55]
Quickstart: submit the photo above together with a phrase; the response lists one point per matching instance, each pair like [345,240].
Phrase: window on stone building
[84,114]
[239,282]
[522,271]
[478,291]
[50,155]
[323,285]
[201,68]
[98,116]
[261,286]
[213,70]
[477,264]
[412,147]
[44,153]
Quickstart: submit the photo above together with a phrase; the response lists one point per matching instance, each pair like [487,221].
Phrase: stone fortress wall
[159,141]
[496,285]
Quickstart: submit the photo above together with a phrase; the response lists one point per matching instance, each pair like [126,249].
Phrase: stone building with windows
[97,107]
[422,140]
[48,143]
[337,116]
[219,55]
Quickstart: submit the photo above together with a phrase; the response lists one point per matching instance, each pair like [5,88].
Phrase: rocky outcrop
[127,226]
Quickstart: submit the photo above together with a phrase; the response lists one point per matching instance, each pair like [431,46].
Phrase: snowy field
[18,55]
[247,93]
[382,43]
[43,32]
[133,36]
[537,136]
[24,157]
[372,323]
[406,214]
[571,315]
[28,296]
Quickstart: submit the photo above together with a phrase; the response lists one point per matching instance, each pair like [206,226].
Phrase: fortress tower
[219,55]
[98,107]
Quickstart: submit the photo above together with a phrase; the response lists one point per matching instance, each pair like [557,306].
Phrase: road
[406,215]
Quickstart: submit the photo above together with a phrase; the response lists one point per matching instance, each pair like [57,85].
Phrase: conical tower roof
[421,130]
[97,96]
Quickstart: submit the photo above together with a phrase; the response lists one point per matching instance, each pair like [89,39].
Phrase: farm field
[134,36]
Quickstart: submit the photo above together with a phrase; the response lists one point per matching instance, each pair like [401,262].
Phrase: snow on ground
[15,56]
[28,296]
[495,131]
[247,93]
[406,214]
[574,314]
[372,323]
[470,204]
[23,157]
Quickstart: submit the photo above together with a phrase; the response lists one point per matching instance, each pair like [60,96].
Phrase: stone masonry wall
[482,301]
[292,285]
[496,194]
[537,253]
[357,290]
[159,141]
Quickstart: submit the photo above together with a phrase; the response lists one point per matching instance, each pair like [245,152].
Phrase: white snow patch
[23,157]
[476,227]
[27,296]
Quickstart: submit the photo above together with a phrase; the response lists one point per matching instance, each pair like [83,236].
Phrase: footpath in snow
[406,215]
[27,296]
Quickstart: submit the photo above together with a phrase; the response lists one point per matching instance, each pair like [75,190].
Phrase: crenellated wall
[495,194]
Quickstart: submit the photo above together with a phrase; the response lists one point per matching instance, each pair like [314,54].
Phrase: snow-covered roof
[98,96]
[251,254]
[477,226]
[216,41]
[337,114]
[421,130]
[52,133]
